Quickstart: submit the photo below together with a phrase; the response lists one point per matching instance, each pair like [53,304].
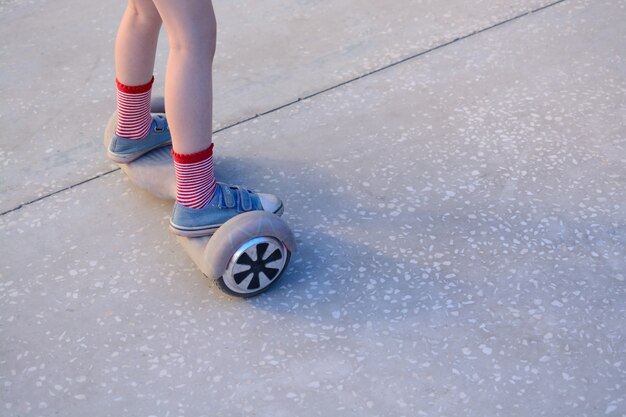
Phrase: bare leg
[191,30]
[135,46]
[201,203]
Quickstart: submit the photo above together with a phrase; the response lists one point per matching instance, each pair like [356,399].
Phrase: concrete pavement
[460,216]
[58,73]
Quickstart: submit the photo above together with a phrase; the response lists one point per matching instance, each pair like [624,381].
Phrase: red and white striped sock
[133,110]
[195,179]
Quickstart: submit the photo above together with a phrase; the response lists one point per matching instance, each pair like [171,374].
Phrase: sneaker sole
[128,158]
[208,230]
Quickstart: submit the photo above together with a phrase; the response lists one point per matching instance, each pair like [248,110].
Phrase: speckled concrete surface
[462,228]
[57,68]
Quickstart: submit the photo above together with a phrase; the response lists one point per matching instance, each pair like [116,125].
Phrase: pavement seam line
[393,64]
[69,187]
[325,90]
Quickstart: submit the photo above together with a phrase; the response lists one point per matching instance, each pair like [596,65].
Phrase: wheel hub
[255,265]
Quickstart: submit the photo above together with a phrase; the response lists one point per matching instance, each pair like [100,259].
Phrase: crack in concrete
[325,90]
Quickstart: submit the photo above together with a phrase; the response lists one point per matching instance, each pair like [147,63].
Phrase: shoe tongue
[158,121]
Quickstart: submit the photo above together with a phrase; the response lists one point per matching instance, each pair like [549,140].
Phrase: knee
[198,38]
[144,13]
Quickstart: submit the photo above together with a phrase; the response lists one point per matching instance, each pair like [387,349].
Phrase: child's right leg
[202,204]
[191,30]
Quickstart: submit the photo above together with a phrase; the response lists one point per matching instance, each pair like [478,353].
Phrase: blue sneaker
[227,202]
[124,150]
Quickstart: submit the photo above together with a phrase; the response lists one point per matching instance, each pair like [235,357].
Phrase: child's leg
[191,30]
[135,50]
[135,46]
[202,204]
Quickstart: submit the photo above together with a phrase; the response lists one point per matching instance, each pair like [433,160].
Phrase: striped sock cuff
[133,110]
[135,89]
[191,158]
[195,178]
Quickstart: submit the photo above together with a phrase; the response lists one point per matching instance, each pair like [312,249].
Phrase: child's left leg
[136,42]
[138,131]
